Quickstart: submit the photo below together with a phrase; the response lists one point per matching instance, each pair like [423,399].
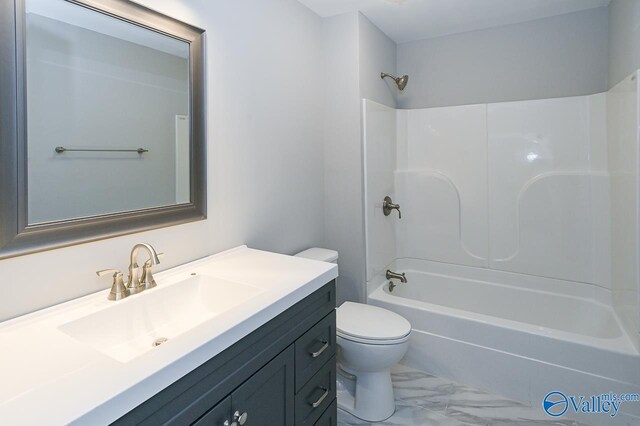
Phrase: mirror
[107,110]
[109,131]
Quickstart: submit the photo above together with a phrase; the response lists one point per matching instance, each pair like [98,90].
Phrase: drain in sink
[159,341]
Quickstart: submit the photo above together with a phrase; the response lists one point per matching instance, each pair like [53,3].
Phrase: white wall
[265,153]
[624,39]
[376,54]
[554,57]
[356,51]
[344,230]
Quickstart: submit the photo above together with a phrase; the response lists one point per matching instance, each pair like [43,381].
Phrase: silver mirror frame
[16,236]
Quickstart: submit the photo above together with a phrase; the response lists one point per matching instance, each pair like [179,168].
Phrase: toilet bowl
[370,340]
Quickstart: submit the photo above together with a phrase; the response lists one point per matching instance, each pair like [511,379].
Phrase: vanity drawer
[317,395]
[330,416]
[315,348]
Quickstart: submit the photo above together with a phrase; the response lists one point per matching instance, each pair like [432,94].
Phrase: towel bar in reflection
[61,149]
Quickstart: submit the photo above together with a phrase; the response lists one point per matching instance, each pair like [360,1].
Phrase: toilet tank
[321,254]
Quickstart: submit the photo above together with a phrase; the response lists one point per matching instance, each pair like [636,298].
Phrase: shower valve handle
[388,205]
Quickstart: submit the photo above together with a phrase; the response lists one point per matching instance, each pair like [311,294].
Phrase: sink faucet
[133,283]
[395,275]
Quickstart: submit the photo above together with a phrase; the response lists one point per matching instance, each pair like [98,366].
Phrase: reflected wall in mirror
[107,124]
[95,82]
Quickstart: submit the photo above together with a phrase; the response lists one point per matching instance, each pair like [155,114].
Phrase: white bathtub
[511,333]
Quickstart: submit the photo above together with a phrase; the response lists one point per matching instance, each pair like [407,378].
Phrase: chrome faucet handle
[104,272]
[118,289]
[388,205]
[133,283]
[147,275]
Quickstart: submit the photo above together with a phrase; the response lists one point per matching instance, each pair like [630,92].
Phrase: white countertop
[48,377]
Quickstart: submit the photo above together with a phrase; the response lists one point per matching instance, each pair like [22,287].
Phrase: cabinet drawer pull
[319,401]
[325,345]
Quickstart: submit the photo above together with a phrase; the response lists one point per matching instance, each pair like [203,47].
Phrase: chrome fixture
[325,393]
[238,419]
[325,345]
[133,280]
[147,275]
[394,275]
[118,289]
[388,205]
[401,82]
[135,284]
[61,149]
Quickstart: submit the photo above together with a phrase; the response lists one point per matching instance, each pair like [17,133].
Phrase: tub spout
[395,275]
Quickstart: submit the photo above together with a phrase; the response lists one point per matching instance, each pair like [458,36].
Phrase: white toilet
[371,340]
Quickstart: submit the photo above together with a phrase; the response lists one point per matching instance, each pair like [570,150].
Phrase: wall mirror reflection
[108,114]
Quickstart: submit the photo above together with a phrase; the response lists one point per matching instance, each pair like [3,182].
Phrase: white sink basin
[130,327]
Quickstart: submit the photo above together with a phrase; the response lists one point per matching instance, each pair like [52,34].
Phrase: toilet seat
[371,341]
[372,325]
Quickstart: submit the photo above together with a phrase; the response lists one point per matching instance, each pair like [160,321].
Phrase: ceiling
[409,20]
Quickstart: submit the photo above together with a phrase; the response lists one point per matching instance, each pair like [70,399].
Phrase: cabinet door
[267,398]
[217,415]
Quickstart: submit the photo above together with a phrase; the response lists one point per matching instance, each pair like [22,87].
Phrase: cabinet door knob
[240,418]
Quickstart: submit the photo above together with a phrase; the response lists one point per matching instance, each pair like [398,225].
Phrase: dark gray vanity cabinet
[218,415]
[268,394]
[283,373]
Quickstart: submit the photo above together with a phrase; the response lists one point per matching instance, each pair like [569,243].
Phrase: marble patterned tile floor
[422,399]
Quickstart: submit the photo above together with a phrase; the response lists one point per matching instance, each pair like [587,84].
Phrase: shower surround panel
[513,186]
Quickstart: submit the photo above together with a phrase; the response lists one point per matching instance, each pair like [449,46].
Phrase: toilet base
[366,395]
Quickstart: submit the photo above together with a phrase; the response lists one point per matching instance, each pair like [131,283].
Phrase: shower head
[401,82]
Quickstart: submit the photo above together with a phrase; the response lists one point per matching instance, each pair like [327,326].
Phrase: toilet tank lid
[321,254]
